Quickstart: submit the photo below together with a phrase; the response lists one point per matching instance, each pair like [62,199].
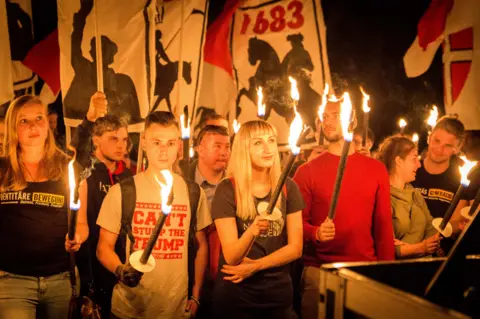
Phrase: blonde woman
[253,279]
[34,265]
[414,233]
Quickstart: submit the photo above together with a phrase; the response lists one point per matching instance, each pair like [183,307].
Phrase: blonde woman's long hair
[240,167]
[53,162]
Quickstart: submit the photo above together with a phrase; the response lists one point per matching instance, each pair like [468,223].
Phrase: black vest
[99,183]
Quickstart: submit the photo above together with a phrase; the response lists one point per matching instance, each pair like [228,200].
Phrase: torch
[366,112]
[191,152]
[402,123]
[72,209]
[442,225]
[295,139]
[236,128]
[142,260]
[260,105]
[415,138]
[321,109]
[185,128]
[74,202]
[345,118]
[432,119]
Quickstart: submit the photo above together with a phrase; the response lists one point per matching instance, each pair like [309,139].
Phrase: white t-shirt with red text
[163,292]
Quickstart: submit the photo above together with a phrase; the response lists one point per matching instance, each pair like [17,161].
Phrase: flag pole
[179,107]
[98,49]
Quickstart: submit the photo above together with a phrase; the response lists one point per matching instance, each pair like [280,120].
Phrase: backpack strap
[194,198]
[129,198]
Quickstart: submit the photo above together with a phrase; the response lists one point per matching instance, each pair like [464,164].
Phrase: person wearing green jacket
[412,223]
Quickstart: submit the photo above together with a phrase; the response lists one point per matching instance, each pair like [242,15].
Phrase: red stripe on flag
[459,73]
[462,40]
[44,60]
[216,49]
[432,24]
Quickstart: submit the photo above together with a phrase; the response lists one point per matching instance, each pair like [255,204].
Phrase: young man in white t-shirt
[162,293]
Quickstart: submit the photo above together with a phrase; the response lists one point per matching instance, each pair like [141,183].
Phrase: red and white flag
[6,79]
[44,60]
[456,25]
[218,91]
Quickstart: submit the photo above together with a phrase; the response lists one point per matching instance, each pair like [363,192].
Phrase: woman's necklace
[29,173]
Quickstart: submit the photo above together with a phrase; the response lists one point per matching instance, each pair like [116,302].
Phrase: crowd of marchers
[218,255]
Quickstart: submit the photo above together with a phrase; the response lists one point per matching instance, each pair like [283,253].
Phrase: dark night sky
[366,41]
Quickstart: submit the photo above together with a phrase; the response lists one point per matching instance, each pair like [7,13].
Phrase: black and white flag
[179,55]
[126,30]
[272,40]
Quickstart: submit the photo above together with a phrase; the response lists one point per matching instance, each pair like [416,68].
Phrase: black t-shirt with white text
[33,225]
[438,189]
[270,288]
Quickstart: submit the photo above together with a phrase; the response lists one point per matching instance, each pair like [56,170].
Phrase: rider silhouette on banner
[167,74]
[272,75]
[161,54]
[119,88]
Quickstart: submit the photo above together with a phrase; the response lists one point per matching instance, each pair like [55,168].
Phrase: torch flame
[321,108]
[191,152]
[415,138]
[465,170]
[402,123]
[296,129]
[165,190]
[432,119]
[236,126]
[294,90]
[345,116]
[185,127]
[71,182]
[260,105]
[366,98]
[333,98]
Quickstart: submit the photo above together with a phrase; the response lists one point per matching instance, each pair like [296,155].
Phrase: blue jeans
[26,297]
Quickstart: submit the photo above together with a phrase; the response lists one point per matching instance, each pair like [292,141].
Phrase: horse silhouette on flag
[272,75]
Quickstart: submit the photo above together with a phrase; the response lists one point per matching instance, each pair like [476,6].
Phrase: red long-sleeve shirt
[363,220]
